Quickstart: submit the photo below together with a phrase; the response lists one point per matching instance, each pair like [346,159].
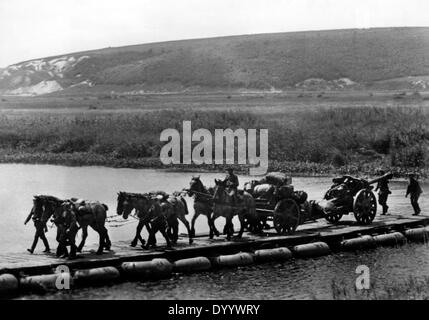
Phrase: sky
[31,29]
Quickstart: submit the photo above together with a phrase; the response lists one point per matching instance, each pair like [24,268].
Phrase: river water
[293,279]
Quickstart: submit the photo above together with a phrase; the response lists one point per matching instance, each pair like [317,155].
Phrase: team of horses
[157,211]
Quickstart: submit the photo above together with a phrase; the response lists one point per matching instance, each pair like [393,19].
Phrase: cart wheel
[286,216]
[365,206]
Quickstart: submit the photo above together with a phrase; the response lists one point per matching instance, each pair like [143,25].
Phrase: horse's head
[125,205]
[219,190]
[38,208]
[195,185]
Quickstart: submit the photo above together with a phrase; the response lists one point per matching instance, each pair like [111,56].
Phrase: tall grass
[334,137]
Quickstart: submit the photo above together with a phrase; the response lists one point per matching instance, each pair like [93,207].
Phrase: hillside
[335,59]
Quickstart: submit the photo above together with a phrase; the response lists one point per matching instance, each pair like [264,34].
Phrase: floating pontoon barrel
[234,260]
[8,285]
[418,234]
[390,239]
[277,254]
[314,249]
[364,242]
[192,264]
[157,268]
[96,276]
[46,282]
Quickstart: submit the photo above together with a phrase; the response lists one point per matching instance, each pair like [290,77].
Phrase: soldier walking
[414,190]
[383,193]
[36,215]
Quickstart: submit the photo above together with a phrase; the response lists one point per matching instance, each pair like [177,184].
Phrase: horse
[91,214]
[52,208]
[224,206]
[175,208]
[40,213]
[203,204]
[147,208]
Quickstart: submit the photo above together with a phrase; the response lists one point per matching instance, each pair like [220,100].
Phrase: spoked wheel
[286,216]
[365,206]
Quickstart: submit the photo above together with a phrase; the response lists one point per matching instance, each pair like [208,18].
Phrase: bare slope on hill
[334,59]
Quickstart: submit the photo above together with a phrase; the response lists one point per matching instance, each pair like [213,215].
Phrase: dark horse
[225,206]
[203,204]
[149,213]
[91,214]
[175,208]
[48,207]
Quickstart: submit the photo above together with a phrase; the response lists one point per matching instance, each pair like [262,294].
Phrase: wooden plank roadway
[319,230]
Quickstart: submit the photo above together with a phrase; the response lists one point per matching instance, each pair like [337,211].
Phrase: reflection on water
[294,279]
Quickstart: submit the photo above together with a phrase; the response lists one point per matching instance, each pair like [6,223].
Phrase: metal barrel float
[390,239]
[9,285]
[418,234]
[363,242]
[46,282]
[276,254]
[154,269]
[314,249]
[192,265]
[96,276]
[234,260]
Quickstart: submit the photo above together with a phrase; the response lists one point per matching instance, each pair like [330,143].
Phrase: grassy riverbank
[312,140]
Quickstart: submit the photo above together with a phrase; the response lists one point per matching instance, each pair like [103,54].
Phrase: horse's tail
[185,205]
[105,206]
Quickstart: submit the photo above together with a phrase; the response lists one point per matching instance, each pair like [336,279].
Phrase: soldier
[67,228]
[383,193]
[36,215]
[232,183]
[414,190]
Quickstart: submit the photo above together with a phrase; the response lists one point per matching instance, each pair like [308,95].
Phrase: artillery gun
[349,194]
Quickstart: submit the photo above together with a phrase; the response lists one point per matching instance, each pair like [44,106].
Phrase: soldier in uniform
[231,181]
[383,193]
[36,215]
[67,227]
[414,190]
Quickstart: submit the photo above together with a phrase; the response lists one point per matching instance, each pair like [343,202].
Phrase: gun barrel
[387,176]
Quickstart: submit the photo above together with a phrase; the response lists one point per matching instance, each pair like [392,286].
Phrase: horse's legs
[229,228]
[151,238]
[164,233]
[84,236]
[138,236]
[186,223]
[72,239]
[241,218]
[194,218]
[211,219]
[101,235]
[107,243]
[173,232]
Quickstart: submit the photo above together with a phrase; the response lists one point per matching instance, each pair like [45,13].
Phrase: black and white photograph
[225,151]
